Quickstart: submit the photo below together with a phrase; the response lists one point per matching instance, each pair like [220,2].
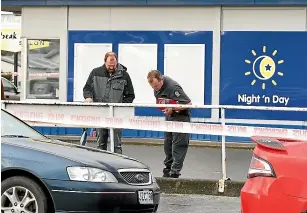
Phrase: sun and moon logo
[264,67]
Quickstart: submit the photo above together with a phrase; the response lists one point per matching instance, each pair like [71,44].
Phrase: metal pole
[223,145]
[24,69]
[112,130]
[15,68]
[224,175]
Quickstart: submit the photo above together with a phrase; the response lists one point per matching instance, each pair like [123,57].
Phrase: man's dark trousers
[102,139]
[175,147]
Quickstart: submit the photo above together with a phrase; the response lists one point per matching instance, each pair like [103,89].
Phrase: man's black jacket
[106,87]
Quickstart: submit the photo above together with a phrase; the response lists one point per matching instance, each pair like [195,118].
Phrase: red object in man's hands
[165,101]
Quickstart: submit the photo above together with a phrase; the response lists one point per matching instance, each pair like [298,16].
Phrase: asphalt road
[198,204]
[200,163]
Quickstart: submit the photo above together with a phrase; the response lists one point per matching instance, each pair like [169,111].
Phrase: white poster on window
[139,59]
[86,58]
[185,63]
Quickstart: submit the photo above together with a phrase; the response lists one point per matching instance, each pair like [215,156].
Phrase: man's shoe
[166,172]
[166,175]
[174,175]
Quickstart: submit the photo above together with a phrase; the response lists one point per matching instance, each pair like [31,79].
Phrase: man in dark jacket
[109,83]
[176,144]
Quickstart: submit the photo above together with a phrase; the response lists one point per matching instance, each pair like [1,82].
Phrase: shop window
[43,67]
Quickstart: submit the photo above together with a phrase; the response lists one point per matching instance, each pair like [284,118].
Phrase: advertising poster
[264,69]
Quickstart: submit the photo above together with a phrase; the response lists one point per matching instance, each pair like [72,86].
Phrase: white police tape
[38,75]
[73,119]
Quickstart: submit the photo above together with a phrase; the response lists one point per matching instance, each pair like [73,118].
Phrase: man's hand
[89,100]
[178,109]
[168,111]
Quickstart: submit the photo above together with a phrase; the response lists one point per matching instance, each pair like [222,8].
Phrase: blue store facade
[254,56]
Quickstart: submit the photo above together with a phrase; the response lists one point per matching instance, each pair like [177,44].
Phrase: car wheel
[22,195]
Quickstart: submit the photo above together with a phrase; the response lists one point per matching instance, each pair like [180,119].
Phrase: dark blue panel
[151,2]
[39,129]
[153,37]
[62,131]
[128,133]
[288,80]
[54,131]
[24,2]
[47,130]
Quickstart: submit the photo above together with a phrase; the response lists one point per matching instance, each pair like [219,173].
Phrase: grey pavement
[200,163]
[198,204]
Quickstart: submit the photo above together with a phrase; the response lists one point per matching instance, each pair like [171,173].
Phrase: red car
[277,177]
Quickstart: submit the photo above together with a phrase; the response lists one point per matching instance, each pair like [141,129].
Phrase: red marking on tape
[114,121]
[267,130]
[28,115]
[174,125]
[299,132]
[242,129]
[140,123]
[44,75]
[207,127]
[55,116]
[85,118]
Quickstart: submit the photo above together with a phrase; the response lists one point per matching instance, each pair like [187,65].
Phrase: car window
[8,87]
[11,126]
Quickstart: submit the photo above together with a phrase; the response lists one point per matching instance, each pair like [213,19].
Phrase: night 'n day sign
[264,69]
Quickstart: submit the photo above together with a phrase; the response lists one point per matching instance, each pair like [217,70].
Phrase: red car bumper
[265,195]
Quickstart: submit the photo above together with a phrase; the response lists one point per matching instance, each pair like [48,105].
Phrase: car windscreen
[13,127]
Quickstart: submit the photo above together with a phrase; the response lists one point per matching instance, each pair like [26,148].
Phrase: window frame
[24,61]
